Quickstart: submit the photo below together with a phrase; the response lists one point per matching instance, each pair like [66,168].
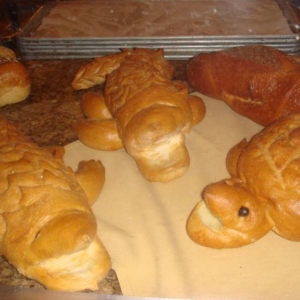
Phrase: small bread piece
[198,109]
[7,55]
[257,81]
[233,157]
[86,175]
[263,193]
[151,113]
[47,228]
[14,79]
[99,129]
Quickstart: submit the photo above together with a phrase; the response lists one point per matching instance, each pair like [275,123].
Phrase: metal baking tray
[181,46]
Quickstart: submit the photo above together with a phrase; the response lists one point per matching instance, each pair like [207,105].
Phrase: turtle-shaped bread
[15,82]
[262,194]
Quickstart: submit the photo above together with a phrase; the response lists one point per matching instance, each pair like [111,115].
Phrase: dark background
[15,13]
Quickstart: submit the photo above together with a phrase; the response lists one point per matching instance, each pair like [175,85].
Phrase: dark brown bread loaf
[258,82]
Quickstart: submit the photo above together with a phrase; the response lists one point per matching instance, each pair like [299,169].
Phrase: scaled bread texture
[142,109]
[259,82]
[262,194]
[47,228]
[14,79]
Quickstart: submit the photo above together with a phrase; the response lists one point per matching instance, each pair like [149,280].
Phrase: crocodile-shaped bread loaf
[47,228]
[142,109]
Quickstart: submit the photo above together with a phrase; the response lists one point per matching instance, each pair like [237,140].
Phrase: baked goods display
[262,194]
[142,109]
[47,228]
[161,207]
[258,82]
[14,79]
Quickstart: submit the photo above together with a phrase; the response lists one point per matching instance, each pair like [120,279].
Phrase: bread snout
[62,235]
[155,137]
[229,216]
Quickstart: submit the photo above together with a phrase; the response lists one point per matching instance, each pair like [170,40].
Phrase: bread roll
[14,78]
[258,82]
[262,194]
[47,228]
[150,113]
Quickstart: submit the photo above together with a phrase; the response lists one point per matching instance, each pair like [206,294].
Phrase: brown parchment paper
[142,224]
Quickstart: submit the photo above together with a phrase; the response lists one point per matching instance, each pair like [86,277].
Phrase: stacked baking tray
[182,27]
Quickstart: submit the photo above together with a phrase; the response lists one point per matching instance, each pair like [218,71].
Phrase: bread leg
[233,157]
[198,108]
[95,72]
[86,173]
[94,107]
[100,135]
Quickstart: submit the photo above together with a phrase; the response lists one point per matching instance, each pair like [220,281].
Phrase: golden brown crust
[93,106]
[151,115]
[221,224]
[86,174]
[141,69]
[274,154]
[266,172]
[198,109]
[47,228]
[259,82]
[100,135]
[232,194]
[233,156]
[7,55]
[154,134]
[14,79]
